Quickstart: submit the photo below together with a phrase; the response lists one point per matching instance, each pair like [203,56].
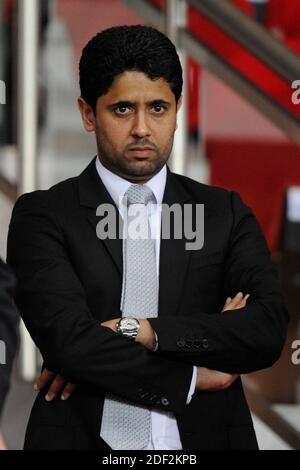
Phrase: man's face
[134,124]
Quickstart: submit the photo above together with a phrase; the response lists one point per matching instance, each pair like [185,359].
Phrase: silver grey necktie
[126,425]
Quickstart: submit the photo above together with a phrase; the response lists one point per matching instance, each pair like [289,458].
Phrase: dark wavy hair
[127,48]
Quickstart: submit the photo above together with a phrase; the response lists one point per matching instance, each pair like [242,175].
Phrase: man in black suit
[8,334]
[183,364]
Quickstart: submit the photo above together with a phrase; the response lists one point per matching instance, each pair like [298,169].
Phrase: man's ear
[87,115]
[179,104]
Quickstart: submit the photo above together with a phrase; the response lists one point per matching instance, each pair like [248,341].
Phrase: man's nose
[140,126]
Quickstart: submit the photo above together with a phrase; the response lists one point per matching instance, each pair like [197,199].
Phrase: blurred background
[239,129]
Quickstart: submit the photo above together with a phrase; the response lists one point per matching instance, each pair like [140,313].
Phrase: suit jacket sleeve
[237,341]
[53,305]
[8,329]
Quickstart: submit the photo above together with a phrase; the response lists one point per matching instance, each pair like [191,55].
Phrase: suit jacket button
[165,401]
[205,343]
[189,343]
[181,343]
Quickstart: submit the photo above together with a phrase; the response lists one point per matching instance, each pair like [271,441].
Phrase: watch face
[128,323]
[129,326]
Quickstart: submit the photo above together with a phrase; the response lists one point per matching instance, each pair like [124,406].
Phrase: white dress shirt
[164,430]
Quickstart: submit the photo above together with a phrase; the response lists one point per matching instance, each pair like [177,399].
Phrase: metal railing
[28,31]
[27,83]
[262,409]
[251,35]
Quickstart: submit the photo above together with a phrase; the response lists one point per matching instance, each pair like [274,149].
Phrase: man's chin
[143,168]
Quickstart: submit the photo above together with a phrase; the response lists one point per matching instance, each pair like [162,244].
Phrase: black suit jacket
[69,281]
[8,328]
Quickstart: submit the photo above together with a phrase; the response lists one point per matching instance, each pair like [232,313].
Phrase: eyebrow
[132,103]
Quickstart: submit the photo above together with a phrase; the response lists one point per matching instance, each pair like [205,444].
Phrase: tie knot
[139,194]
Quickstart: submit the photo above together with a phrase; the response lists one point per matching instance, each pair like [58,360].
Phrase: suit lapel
[174,257]
[92,193]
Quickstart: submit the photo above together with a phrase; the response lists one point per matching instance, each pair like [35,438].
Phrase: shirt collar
[117,186]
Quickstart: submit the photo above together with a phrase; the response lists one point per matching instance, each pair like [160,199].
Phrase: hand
[237,302]
[146,335]
[111,324]
[2,443]
[213,380]
[58,384]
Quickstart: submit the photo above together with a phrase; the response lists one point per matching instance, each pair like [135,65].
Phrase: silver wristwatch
[128,327]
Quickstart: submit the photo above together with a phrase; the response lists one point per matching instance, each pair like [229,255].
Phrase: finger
[233,379]
[235,302]
[237,298]
[243,302]
[226,380]
[213,380]
[56,386]
[231,303]
[43,379]
[227,302]
[68,390]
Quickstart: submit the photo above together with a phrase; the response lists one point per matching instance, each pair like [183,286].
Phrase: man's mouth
[141,152]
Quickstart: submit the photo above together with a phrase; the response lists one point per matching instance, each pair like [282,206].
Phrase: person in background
[8,335]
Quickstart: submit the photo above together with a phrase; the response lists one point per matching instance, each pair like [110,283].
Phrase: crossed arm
[54,308]
[207,379]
